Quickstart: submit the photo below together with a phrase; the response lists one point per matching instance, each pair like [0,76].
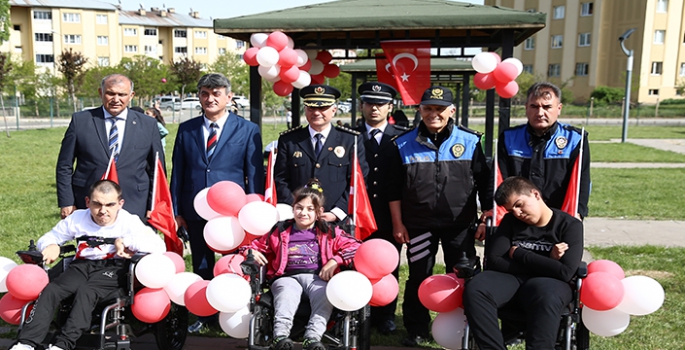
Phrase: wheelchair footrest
[258,347]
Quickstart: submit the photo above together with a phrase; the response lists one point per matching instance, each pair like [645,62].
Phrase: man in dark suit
[96,135]
[319,151]
[376,105]
[217,146]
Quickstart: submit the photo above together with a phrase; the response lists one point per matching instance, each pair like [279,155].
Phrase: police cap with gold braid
[319,95]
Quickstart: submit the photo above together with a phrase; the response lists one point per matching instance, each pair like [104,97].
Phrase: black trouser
[89,281]
[421,252]
[380,314]
[202,257]
[542,299]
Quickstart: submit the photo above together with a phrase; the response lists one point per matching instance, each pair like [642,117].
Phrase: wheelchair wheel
[582,337]
[171,332]
[363,318]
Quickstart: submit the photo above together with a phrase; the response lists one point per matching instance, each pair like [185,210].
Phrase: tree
[146,73]
[5,68]
[4,20]
[92,78]
[186,71]
[342,82]
[27,82]
[236,70]
[71,64]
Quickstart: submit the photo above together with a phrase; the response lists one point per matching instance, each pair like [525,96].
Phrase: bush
[673,101]
[607,95]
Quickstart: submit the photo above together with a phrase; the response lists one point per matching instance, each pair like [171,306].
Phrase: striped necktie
[114,138]
[211,140]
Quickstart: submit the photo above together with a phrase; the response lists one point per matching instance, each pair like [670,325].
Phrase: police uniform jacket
[547,161]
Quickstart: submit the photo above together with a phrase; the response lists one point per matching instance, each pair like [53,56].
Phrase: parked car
[241,101]
[344,107]
[169,103]
[191,103]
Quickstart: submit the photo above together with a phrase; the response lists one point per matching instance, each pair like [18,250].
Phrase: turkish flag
[270,192]
[384,72]
[111,172]
[570,205]
[499,211]
[411,67]
[162,213]
[359,206]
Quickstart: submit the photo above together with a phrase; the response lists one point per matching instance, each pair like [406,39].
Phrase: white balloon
[515,61]
[236,324]
[302,57]
[269,72]
[303,80]
[228,292]
[258,218]
[259,39]
[6,265]
[484,62]
[202,207]
[317,67]
[448,328]
[311,53]
[224,233]
[285,212]
[273,80]
[349,290]
[291,43]
[605,323]
[643,295]
[267,56]
[176,289]
[155,270]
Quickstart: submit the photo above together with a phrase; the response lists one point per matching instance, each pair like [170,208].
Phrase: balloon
[250,56]
[385,291]
[376,258]
[349,290]
[226,197]
[306,66]
[164,80]
[285,211]
[291,43]
[150,305]
[179,263]
[303,80]
[271,72]
[301,57]
[317,79]
[229,264]
[601,291]
[643,295]
[236,324]
[317,67]
[516,62]
[484,62]
[155,270]
[507,90]
[176,289]
[278,40]
[324,56]
[6,265]
[273,79]
[605,323]
[258,40]
[240,292]
[311,54]
[281,88]
[289,75]
[448,328]
[258,217]
[254,197]
[248,239]
[331,71]
[202,207]
[484,81]
[10,308]
[195,299]
[606,266]
[26,282]
[441,293]
[287,58]
[224,233]
[505,72]
[267,56]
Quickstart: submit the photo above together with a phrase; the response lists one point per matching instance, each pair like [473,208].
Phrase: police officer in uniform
[319,151]
[376,105]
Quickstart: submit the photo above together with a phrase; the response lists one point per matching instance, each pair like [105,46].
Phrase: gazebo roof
[437,65]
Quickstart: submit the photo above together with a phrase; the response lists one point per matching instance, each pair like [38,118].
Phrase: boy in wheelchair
[530,260]
[301,255]
[106,235]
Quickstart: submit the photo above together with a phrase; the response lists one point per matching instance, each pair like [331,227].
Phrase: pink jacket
[341,247]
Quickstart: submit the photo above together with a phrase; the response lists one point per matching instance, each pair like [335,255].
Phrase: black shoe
[414,340]
[196,327]
[283,343]
[312,344]
[386,327]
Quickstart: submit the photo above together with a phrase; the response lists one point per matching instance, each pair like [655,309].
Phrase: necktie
[114,139]
[319,145]
[211,140]
[374,142]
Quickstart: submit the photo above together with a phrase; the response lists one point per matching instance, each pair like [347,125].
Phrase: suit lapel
[130,132]
[229,125]
[197,133]
[305,143]
[100,129]
[332,140]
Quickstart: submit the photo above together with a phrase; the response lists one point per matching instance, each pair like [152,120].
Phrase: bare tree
[71,64]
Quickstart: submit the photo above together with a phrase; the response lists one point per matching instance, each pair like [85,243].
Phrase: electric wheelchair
[347,330]
[108,330]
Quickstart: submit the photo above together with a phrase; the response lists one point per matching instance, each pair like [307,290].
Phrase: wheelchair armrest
[137,256]
[66,249]
[582,270]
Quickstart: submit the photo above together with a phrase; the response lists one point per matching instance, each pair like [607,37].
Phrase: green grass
[605,133]
[628,152]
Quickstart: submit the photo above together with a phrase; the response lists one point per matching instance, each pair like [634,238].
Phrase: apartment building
[579,45]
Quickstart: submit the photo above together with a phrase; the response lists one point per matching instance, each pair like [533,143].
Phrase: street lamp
[629,74]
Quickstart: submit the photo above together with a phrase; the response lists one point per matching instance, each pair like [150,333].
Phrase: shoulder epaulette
[292,129]
[477,133]
[401,128]
[347,130]
[398,135]
[572,128]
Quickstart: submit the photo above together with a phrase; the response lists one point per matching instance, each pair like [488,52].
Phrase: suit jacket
[296,164]
[86,141]
[237,157]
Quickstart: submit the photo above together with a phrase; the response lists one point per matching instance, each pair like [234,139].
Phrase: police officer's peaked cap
[319,95]
[376,93]
[437,95]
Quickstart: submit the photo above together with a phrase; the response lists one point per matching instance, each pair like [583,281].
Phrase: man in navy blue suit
[216,146]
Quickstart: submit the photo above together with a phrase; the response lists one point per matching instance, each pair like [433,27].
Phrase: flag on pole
[384,72]
[411,67]
[270,187]
[111,172]
[358,205]
[499,211]
[162,212]
[570,205]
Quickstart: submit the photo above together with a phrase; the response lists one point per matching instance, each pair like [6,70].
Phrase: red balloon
[318,79]
[282,88]
[601,291]
[277,40]
[376,258]
[289,75]
[385,291]
[441,293]
[26,282]
[10,308]
[229,264]
[196,299]
[306,66]
[331,70]
[163,80]
[250,56]
[484,81]
[606,266]
[249,238]
[254,197]
[287,58]
[178,261]
[324,56]
[150,305]
[505,72]
[226,198]
[507,90]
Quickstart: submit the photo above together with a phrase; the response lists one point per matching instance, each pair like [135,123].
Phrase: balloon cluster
[443,294]
[609,298]
[495,73]
[24,283]
[280,63]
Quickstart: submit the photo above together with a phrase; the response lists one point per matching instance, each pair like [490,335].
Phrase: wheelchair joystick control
[32,246]
[467,267]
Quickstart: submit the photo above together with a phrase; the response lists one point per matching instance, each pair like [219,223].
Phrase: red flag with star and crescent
[111,173]
[410,64]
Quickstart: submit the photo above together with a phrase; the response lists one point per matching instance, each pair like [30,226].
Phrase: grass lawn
[628,152]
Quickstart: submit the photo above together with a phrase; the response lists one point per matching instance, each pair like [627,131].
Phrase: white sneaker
[20,346]
[52,347]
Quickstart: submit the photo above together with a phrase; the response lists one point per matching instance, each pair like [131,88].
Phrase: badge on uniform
[339,151]
[561,142]
[297,154]
[458,150]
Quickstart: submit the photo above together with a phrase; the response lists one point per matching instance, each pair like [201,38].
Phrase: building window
[554,70]
[559,12]
[653,92]
[72,39]
[239,44]
[150,32]
[101,19]
[529,44]
[181,49]
[44,37]
[103,40]
[42,15]
[582,69]
[103,61]
[71,17]
[219,36]
[200,34]
[200,50]
[659,36]
[661,5]
[180,33]
[45,58]
[557,41]
[528,68]
[657,68]
[531,10]
[17,27]
[682,69]
[131,48]
[584,39]
[130,32]
[586,9]
[222,51]
[150,49]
